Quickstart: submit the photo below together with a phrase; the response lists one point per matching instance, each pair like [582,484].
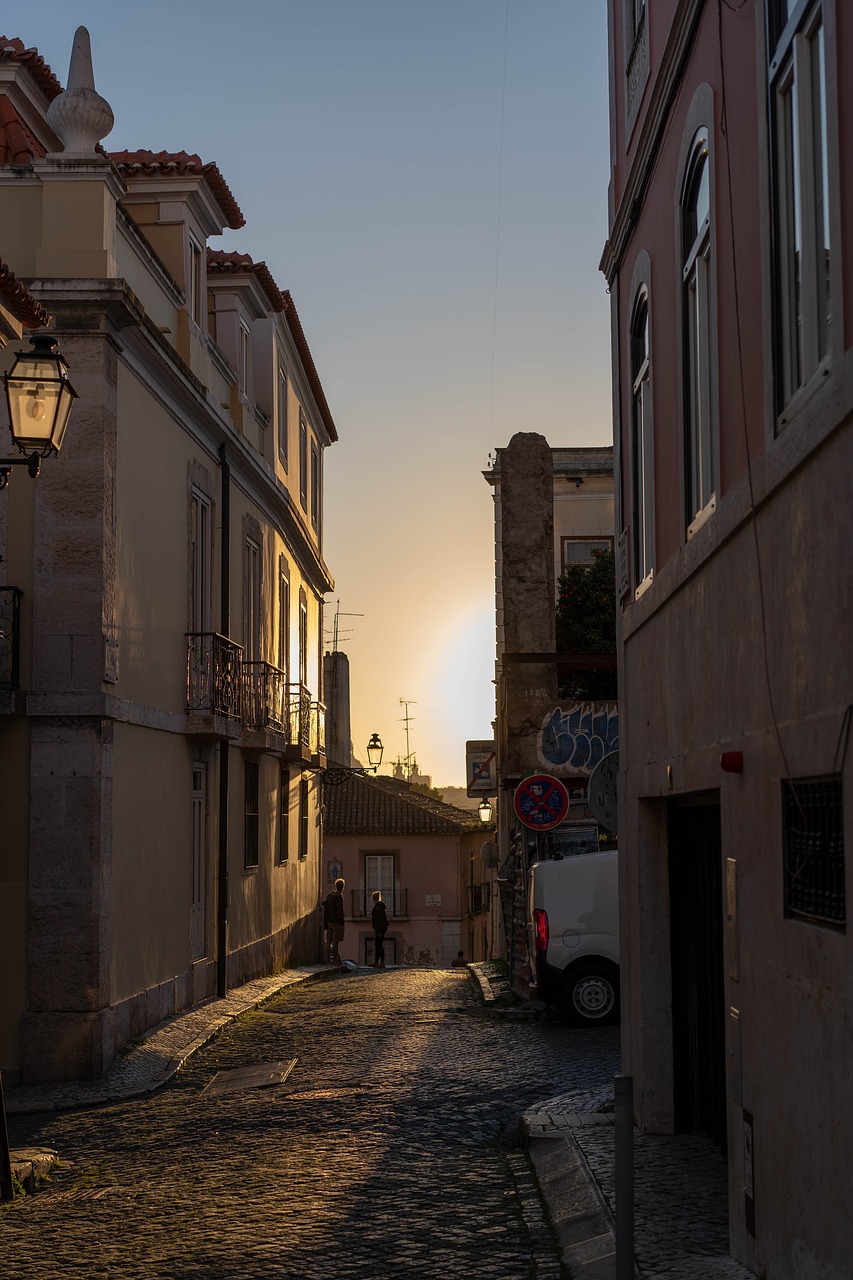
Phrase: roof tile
[13,50]
[166,163]
[20,301]
[387,807]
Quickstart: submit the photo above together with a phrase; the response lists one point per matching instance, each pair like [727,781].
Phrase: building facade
[162,832]
[730,267]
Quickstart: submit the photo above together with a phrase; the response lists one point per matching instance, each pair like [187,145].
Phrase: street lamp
[39,396]
[374,755]
[484,811]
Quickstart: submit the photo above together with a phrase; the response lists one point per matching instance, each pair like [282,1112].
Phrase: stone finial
[80,116]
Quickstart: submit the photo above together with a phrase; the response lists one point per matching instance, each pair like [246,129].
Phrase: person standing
[379,920]
[333,921]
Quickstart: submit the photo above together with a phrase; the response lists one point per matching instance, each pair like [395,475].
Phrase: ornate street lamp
[484,811]
[374,755]
[39,396]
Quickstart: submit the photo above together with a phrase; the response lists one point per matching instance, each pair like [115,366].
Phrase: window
[379,873]
[303,462]
[243,370]
[283,616]
[303,818]
[801,190]
[643,535]
[303,639]
[813,841]
[198,941]
[195,283]
[200,562]
[284,815]
[251,771]
[252,602]
[582,550]
[315,485]
[281,416]
[699,433]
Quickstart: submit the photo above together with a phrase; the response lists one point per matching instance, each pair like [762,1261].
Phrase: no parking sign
[541,802]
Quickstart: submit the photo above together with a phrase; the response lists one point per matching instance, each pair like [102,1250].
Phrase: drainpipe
[225,629]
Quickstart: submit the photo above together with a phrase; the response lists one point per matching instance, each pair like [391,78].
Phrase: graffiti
[575,739]
[423,961]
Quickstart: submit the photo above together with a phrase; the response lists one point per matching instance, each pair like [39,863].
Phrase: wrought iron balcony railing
[10,628]
[299,716]
[479,898]
[214,675]
[263,697]
[396,904]
[318,729]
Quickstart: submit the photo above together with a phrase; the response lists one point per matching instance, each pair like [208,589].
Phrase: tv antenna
[336,631]
[407,719]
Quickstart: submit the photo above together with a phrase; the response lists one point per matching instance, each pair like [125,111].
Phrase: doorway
[697,964]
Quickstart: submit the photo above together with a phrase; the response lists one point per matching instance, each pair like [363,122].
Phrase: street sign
[541,802]
[601,795]
[481,770]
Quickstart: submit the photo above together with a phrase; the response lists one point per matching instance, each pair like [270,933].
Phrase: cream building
[162,834]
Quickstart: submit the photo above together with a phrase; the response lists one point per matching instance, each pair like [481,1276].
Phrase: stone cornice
[667,78]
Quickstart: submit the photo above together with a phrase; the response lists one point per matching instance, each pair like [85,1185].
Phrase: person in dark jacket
[333,921]
[379,920]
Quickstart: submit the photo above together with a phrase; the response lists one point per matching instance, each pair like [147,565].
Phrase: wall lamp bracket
[32,462]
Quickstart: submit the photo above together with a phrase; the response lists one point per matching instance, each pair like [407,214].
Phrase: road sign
[601,796]
[481,772]
[541,802]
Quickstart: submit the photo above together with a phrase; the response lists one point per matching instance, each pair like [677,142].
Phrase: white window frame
[244,356]
[284,617]
[303,462]
[201,551]
[697,320]
[315,484]
[642,445]
[195,282]
[798,93]
[254,628]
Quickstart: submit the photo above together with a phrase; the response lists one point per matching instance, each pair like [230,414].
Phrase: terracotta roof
[164,163]
[222,263]
[18,143]
[294,324]
[12,49]
[20,301]
[386,807]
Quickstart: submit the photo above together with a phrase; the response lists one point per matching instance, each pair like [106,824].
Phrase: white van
[573,936]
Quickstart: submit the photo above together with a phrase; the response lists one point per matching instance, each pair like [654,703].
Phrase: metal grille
[214,683]
[814,850]
[10,598]
[263,697]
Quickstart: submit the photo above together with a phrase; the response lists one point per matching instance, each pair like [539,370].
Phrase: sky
[429,180]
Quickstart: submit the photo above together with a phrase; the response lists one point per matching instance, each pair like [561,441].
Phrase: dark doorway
[698,988]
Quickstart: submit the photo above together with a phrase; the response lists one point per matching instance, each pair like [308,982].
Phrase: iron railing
[299,716]
[396,904]
[10,637]
[479,898]
[318,729]
[214,674]
[263,697]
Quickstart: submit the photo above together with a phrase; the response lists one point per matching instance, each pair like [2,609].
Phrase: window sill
[702,517]
[251,871]
[645,584]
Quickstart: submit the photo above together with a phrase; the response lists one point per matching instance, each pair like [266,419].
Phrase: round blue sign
[541,802]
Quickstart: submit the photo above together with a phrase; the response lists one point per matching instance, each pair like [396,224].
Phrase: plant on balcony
[586,623]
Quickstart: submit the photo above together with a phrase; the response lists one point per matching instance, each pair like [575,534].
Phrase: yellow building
[161,821]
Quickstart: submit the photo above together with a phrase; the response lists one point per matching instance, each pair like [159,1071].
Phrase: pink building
[379,833]
[730,268]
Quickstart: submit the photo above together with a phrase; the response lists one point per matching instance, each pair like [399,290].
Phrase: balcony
[264,698]
[318,731]
[479,898]
[396,904]
[214,682]
[10,645]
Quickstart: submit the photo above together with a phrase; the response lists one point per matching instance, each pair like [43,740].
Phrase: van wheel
[589,994]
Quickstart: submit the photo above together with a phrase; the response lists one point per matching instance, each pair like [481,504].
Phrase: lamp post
[336,775]
[39,396]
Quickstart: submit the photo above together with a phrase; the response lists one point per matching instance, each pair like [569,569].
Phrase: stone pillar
[337,698]
[528,591]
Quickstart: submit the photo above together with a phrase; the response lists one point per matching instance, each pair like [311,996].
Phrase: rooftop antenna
[336,628]
[408,702]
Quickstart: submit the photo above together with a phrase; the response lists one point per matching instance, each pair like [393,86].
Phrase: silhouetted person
[459,962]
[379,920]
[333,921]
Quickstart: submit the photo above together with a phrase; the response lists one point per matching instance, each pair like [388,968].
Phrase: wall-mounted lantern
[39,396]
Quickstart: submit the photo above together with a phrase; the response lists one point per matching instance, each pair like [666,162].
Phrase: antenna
[408,702]
[336,632]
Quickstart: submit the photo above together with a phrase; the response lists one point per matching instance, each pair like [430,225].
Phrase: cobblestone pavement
[390,1151]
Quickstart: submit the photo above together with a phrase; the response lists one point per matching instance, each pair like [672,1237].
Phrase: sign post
[481,771]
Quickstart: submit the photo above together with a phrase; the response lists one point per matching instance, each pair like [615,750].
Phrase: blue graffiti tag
[577,738]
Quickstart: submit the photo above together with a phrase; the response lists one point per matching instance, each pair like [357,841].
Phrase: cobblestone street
[391,1149]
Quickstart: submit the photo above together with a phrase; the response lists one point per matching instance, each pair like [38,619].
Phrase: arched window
[700,432]
[641,442]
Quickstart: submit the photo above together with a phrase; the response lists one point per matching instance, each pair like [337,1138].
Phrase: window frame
[195,282]
[281,416]
[200,562]
[804,313]
[283,617]
[251,814]
[642,446]
[253,601]
[304,814]
[284,815]
[315,485]
[303,461]
[244,357]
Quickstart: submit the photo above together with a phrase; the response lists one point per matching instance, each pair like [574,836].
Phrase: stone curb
[31,1165]
[143,1065]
